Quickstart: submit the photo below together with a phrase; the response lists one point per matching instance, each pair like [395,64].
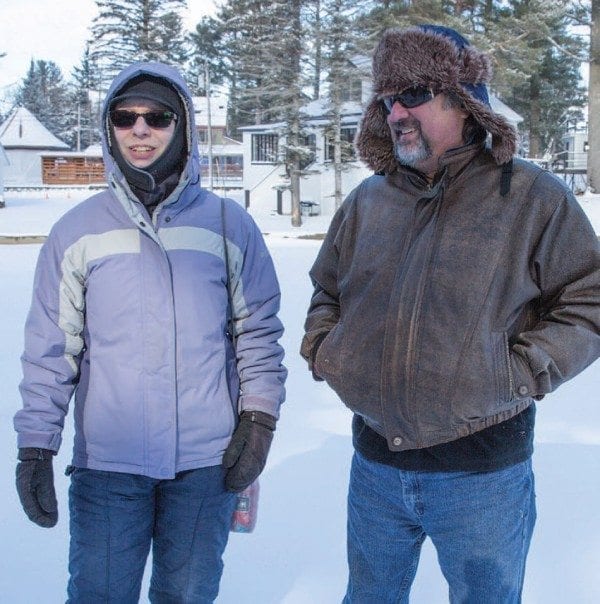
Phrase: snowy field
[297,553]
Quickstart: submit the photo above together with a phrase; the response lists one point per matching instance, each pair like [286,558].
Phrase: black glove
[246,455]
[35,485]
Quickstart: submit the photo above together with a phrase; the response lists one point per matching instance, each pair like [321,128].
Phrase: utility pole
[593,162]
[78,126]
[209,125]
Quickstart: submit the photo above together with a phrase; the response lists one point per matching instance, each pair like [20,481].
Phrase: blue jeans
[115,517]
[479,522]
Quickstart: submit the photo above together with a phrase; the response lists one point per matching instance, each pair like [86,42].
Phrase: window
[310,142]
[347,136]
[265,148]
[352,92]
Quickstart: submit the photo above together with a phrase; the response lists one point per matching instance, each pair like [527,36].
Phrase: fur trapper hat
[438,57]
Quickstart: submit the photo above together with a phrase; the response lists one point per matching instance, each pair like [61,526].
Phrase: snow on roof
[363,62]
[22,130]
[218,110]
[94,151]
[321,108]
[499,107]
[318,113]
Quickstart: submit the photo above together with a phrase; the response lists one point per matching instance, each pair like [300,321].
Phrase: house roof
[22,130]
[218,111]
[499,107]
[318,114]
[320,108]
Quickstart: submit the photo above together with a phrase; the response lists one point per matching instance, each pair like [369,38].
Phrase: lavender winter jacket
[131,316]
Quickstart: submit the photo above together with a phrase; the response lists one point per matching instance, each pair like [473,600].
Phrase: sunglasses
[408,98]
[121,118]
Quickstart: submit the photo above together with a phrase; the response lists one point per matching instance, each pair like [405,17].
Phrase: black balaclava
[153,183]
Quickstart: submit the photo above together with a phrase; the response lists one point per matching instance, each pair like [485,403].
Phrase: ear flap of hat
[374,140]
[504,135]
[376,149]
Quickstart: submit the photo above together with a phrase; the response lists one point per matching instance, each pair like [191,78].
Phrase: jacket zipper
[511,382]
[417,307]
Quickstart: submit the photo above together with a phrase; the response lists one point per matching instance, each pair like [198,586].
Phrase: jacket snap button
[523,390]
[168,219]
[397,441]
[142,224]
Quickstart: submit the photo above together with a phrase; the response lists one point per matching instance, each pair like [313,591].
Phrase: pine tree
[551,95]
[289,94]
[44,93]
[87,100]
[137,30]
[206,44]
[261,51]
[341,39]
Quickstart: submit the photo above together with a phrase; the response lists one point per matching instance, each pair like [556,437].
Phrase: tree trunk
[294,168]
[318,51]
[534,120]
[593,160]
[337,160]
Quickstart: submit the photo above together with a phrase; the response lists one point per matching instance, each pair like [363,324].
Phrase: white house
[227,154]
[264,174]
[3,164]
[575,144]
[24,138]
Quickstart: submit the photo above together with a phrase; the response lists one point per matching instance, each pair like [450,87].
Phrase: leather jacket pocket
[327,360]
[502,369]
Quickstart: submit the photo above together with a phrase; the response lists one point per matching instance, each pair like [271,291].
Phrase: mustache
[407,123]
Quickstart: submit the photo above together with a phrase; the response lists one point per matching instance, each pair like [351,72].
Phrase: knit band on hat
[478,90]
[435,57]
[150,89]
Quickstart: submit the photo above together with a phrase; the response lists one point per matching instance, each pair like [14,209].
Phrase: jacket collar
[450,164]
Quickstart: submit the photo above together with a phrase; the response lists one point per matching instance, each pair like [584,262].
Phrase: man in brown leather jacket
[455,287]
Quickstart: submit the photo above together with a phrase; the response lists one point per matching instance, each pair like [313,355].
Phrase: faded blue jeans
[479,522]
[115,517]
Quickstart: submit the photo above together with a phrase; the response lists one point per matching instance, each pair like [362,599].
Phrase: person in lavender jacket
[131,318]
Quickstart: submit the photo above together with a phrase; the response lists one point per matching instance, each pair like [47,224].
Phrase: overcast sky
[54,30]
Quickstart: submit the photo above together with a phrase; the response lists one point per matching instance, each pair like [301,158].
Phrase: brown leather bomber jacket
[441,310]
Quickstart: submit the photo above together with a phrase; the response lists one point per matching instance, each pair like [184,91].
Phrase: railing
[563,162]
[227,172]
[72,171]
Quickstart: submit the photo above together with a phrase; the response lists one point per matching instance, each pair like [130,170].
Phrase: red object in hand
[246,508]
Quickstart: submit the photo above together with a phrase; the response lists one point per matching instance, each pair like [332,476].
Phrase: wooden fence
[72,170]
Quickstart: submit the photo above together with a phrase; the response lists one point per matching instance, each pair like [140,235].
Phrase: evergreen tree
[206,49]
[137,30]
[341,39]
[87,100]
[260,48]
[289,94]
[552,95]
[252,44]
[44,93]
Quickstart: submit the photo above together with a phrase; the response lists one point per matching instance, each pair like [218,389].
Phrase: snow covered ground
[297,553]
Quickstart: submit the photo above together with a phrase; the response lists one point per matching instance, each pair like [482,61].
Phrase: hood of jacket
[191,170]
[420,56]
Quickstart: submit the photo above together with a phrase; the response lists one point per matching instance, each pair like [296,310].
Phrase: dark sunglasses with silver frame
[409,98]
[122,118]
